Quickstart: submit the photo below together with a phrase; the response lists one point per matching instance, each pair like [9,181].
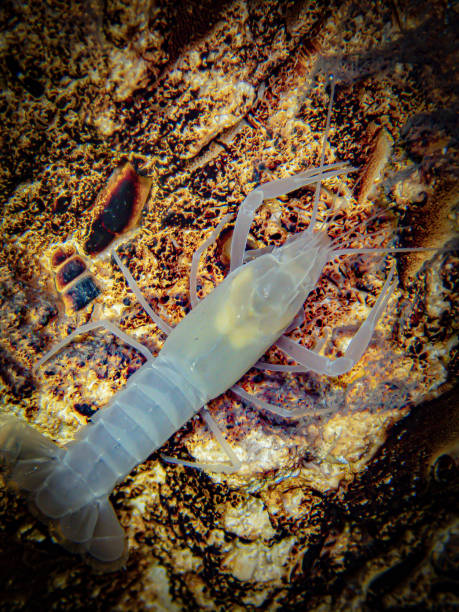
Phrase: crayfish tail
[26,456]
[94,529]
[34,464]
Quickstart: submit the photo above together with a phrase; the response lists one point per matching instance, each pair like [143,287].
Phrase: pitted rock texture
[349,506]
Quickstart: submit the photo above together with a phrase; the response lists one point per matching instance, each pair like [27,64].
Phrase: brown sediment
[82,293]
[117,208]
[223,246]
[72,278]
[68,272]
[381,147]
[61,254]
[17,377]
[430,224]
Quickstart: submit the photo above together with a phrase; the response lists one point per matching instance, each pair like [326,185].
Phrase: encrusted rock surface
[348,507]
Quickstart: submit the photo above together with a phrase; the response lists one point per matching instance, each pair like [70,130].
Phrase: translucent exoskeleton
[222,337]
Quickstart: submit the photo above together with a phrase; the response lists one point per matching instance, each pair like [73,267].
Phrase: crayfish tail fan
[34,464]
[108,542]
[95,530]
[27,457]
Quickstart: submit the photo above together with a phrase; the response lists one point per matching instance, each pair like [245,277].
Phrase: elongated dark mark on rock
[117,208]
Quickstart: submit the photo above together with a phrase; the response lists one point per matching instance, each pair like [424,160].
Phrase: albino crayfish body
[204,355]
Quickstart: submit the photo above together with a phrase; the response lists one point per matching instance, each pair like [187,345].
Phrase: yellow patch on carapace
[242,280]
[242,335]
[227,322]
[225,319]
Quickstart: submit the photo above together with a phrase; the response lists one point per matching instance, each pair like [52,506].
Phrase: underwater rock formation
[348,507]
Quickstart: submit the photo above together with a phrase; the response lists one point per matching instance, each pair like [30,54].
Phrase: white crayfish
[222,337]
